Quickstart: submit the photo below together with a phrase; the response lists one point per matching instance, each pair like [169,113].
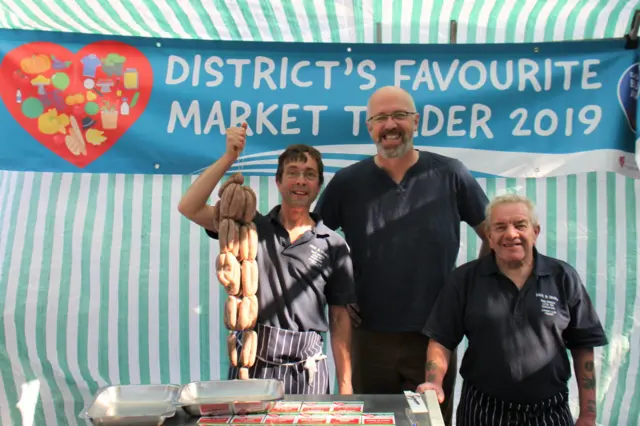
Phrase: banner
[117,105]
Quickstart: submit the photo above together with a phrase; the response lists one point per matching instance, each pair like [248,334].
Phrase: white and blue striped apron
[293,357]
[478,409]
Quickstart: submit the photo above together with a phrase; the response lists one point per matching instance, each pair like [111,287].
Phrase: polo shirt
[404,237]
[297,280]
[518,339]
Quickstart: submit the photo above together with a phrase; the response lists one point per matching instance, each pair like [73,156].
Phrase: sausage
[231,312]
[228,272]
[244,314]
[232,202]
[237,202]
[249,346]
[216,216]
[229,236]
[253,241]
[232,349]
[220,269]
[223,233]
[253,311]
[225,199]
[243,373]
[234,178]
[251,203]
[243,243]
[249,277]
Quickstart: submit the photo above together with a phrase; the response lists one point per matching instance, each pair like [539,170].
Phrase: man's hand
[426,386]
[586,421]
[354,313]
[236,140]
[345,389]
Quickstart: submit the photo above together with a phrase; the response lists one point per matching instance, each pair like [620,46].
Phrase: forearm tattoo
[589,380]
[431,368]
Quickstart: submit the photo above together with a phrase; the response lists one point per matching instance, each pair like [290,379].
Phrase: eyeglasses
[396,115]
[309,175]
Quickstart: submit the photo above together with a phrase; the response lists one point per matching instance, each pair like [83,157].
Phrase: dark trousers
[390,363]
[479,409]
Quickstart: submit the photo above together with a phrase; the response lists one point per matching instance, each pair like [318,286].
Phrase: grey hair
[511,198]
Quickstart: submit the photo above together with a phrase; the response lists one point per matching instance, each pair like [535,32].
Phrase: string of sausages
[237,269]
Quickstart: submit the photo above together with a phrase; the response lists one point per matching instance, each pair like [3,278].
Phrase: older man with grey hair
[520,311]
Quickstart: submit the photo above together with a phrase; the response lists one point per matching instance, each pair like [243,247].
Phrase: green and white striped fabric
[102,281]
[350,21]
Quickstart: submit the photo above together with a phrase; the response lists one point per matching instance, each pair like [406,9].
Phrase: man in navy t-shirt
[400,212]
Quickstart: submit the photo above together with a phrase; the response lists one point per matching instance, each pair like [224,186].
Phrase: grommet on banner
[158,44]
[632,38]
[157,166]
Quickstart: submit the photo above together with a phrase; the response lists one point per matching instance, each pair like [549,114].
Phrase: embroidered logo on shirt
[548,303]
[317,256]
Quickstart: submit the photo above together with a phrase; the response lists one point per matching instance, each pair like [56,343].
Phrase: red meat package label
[345,419]
[286,407]
[214,420]
[248,419]
[280,419]
[348,407]
[378,419]
[312,419]
[316,407]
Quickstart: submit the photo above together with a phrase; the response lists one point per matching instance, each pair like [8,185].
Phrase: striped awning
[351,21]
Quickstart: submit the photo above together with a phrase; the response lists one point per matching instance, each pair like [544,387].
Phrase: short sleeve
[584,329]
[211,234]
[340,289]
[446,321]
[328,205]
[472,201]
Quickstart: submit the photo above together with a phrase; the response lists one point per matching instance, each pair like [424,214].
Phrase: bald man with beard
[400,211]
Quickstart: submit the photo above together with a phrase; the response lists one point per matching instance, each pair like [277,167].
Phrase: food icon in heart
[76,104]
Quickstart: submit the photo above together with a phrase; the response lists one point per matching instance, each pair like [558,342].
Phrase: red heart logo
[76,105]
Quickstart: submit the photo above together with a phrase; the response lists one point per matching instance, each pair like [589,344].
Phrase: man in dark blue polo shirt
[520,311]
[400,212]
[303,266]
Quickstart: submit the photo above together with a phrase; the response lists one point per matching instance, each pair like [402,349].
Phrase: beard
[397,151]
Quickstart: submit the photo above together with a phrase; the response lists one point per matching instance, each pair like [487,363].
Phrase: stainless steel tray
[219,397]
[133,405]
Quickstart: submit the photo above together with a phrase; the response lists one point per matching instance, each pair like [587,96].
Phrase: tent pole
[632,36]
[378,29]
[453,32]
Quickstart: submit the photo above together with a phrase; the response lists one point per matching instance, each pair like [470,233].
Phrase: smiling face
[512,233]
[391,121]
[300,183]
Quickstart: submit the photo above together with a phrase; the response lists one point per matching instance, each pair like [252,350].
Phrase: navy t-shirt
[404,237]
[296,281]
[518,339]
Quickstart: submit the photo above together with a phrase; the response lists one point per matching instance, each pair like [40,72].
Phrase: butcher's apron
[293,357]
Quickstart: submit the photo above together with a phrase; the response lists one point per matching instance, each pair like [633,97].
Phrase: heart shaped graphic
[77,105]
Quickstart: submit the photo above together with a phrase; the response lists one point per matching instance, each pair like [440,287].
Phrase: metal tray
[138,405]
[220,397]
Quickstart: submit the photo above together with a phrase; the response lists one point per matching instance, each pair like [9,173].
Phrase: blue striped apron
[478,409]
[293,357]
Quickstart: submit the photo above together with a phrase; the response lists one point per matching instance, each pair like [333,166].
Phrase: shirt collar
[488,265]
[320,229]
